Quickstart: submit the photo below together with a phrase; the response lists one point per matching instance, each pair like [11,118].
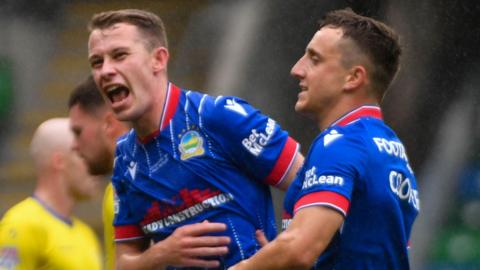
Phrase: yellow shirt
[108,240]
[32,236]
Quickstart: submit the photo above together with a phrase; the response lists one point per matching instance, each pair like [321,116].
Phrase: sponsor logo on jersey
[331,136]
[286,220]
[393,148]
[232,105]
[191,145]
[255,142]
[402,187]
[193,202]
[8,258]
[311,179]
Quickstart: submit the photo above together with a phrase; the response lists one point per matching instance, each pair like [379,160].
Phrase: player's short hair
[376,40]
[148,24]
[88,97]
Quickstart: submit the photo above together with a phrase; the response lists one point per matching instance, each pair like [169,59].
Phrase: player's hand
[261,239]
[188,246]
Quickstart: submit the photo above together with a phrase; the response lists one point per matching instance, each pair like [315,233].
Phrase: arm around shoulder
[299,246]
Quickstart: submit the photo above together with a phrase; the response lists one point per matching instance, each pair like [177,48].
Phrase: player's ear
[160,59]
[356,77]
[58,160]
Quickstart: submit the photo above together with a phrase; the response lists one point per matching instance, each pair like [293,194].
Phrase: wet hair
[376,40]
[88,97]
[149,24]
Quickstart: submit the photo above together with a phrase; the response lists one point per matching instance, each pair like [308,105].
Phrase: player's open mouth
[117,93]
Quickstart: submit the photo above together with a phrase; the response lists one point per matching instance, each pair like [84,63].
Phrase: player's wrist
[157,255]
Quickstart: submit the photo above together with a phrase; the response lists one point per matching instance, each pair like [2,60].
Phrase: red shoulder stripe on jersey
[171,105]
[364,111]
[283,163]
[325,198]
[127,232]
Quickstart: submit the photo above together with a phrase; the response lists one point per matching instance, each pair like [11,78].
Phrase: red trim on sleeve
[127,232]
[326,198]
[283,163]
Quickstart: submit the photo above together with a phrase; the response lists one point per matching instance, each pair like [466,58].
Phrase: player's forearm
[142,261]
[307,236]
[285,252]
[138,256]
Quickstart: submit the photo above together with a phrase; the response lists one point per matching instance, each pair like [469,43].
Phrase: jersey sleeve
[254,141]
[126,223]
[21,244]
[334,164]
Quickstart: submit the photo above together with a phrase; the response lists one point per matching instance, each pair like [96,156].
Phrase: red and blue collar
[363,111]
[170,105]
[169,108]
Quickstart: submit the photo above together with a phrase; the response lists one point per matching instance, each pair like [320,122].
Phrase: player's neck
[149,122]
[56,197]
[341,109]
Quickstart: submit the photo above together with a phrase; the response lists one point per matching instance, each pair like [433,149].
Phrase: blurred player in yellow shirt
[40,232]
[108,234]
[96,131]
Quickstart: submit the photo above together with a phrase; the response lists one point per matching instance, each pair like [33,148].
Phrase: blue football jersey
[359,167]
[211,159]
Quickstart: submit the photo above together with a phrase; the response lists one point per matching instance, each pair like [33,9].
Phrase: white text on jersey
[256,141]
[311,179]
[402,187]
[392,148]
[213,202]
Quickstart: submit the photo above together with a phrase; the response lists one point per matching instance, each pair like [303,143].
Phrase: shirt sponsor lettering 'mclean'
[256,141]
[312,179]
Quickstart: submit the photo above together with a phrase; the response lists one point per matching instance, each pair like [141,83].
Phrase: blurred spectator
[40,232]
[96,131]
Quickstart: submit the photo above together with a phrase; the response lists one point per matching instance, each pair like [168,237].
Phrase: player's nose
[297,70]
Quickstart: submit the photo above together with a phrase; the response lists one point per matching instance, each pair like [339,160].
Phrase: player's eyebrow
[313,52]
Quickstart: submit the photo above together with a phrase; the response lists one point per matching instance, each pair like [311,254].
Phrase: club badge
[191,145]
